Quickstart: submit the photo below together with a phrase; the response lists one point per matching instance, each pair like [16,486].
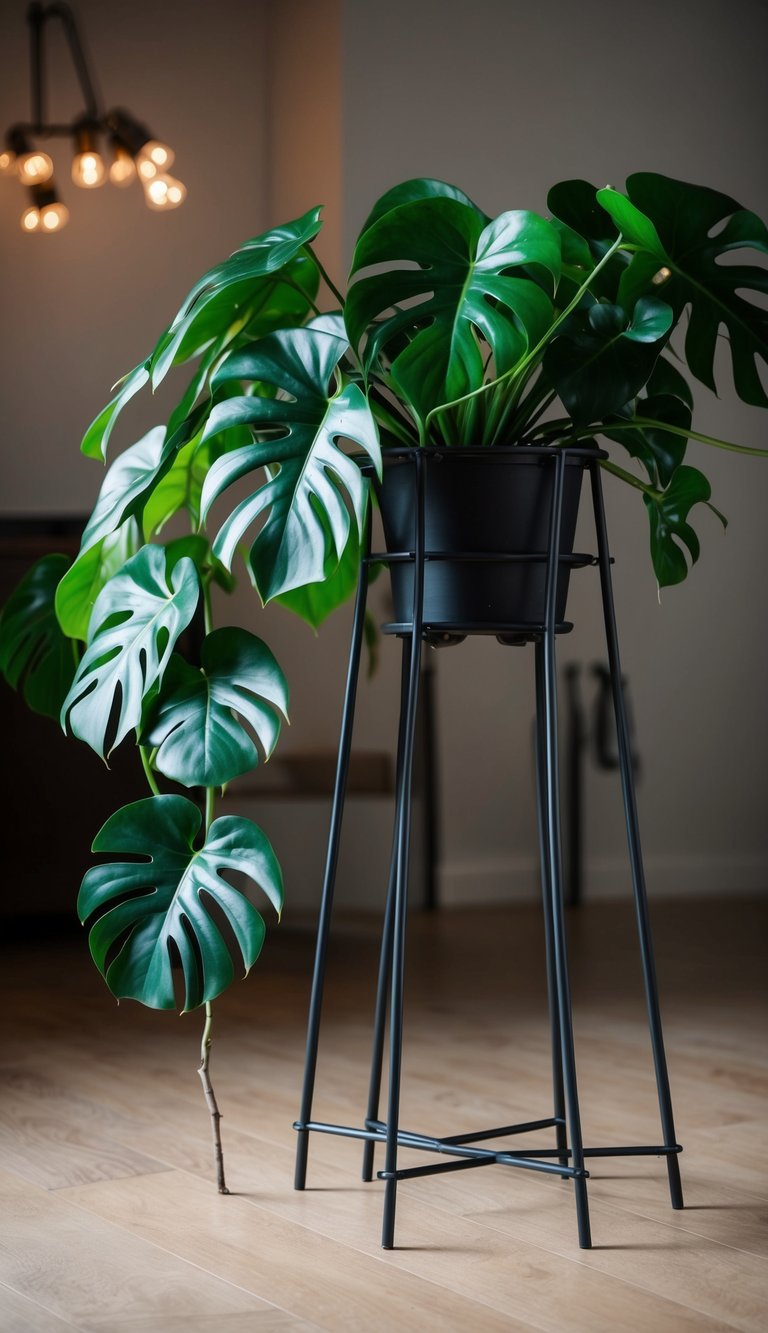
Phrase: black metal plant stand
[567,1158]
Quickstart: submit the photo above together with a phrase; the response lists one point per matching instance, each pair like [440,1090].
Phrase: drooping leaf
[463,292]
[192,723]
[683,232]
[257,284]
[181,486]
[96,438]
[671,533]
[126,482]
[137,618]
[308,475]
[94,567]
[602,359]
[35,656]
[146,911]
[660,451]
[315,601]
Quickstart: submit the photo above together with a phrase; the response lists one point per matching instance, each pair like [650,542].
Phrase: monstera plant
[457,330]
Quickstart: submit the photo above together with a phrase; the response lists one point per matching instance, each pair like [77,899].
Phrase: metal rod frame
[462,1149]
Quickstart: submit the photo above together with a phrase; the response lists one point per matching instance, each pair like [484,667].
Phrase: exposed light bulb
[88,170]
[54,216]
[30,219]
[163,192]
[123,168]
[34,168]
[159,153]
[7,163]
[146,168]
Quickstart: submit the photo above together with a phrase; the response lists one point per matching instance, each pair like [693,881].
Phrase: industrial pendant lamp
[134,153]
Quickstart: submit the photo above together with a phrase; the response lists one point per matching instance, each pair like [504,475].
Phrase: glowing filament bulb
[88,170]
[30,219]
[158,153]
[123,168]
[146,168]
[7,163]
[53,217]
[163,192]
[34,168]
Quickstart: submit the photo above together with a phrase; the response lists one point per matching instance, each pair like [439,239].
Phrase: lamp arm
[37,16]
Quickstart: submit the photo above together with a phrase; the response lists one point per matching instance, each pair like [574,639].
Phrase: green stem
[517,370]
[207,608]
[689,435]
[630,480]
[210,806]
[297,288]
[205,1079]
[146,765]
[328,282]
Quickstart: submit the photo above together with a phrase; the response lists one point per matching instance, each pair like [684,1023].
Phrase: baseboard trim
[517,879]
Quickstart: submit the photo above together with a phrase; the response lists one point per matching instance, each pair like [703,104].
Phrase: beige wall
[504,99]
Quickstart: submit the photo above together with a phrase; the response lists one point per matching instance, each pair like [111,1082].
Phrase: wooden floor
[110,1220]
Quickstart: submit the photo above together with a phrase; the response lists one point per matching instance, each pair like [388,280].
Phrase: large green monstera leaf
[192,723]
[35,656]
[461,289]
[603,358]
[137,618]
[267,283]
[682,233]
[308,475]
[146,912]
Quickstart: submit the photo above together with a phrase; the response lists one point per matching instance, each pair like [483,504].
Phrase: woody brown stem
[205,1079]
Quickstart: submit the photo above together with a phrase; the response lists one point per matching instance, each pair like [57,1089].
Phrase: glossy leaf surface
[147,911]
[316,601]
[642,434]
[420,187]
[96,437]
[671,533]
[196,722]
[686,230]
[77,592]
[603,359]
[308,475]
[463,291]
[137,618]
[35,656]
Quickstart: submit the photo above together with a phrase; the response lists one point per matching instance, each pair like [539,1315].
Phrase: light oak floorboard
[103,1134]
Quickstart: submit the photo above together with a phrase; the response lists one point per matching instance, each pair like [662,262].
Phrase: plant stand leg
[409,703]
[385,955]
[329,880]
[633,842]
[561,1136]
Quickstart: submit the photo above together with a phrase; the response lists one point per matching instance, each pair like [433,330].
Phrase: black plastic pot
[479,503]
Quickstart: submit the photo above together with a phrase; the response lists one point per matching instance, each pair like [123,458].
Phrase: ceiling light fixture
[134,153]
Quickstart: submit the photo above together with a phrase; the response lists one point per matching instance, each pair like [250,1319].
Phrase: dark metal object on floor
[462,1149]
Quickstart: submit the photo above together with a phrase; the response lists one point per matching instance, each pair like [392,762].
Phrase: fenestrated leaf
[146,910]
[35,656]
[308,474]
[670,530]
[660,451]
[96,438]
[137,618]
[180,487]
[463,293]
[421,187]
[257,285]
[192,723]
[673,224]
[93,568]
[602,360]
[667,381]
